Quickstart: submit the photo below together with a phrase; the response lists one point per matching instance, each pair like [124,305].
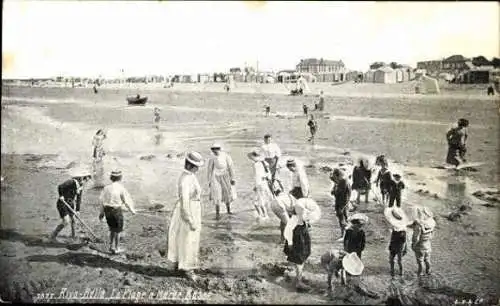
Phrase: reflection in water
[456,190]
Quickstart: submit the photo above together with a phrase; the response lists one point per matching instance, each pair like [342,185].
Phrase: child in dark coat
[354,239]
[384,178]
[397,186]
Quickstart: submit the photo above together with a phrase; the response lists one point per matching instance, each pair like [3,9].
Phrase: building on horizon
[323,70]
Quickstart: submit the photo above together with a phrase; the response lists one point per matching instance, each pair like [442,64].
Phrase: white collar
[187,171]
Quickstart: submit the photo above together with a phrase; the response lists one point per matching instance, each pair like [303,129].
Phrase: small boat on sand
[137,100]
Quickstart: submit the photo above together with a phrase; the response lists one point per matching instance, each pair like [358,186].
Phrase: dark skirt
[63,209]
[301,248]
[297,193]
[453,155]
[114,218]
[398,243]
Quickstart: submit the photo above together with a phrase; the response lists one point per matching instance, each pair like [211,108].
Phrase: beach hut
[369,76]
[429,85]
[385,75]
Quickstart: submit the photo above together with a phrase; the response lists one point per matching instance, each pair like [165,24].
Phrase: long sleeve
[78,201]
[278,150]
[304,182]
[210,169]
[186,201]
[230,166]
[379,177]
[416,235]
[127,200]
[347,239]
[363,240]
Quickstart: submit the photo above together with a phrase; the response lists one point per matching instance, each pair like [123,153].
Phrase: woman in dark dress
[361,180]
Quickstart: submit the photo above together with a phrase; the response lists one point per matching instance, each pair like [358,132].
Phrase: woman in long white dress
[98,154]
[220,179]
[185,226]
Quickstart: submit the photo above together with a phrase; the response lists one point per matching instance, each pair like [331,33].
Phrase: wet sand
[45,130]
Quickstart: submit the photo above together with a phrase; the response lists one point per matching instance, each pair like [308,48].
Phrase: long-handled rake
[96,239]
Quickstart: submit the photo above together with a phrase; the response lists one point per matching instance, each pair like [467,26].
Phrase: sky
[100,38]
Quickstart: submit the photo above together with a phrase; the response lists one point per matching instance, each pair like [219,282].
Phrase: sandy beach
[47,130]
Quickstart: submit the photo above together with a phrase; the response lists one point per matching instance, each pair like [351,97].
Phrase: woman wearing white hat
[220,178]
[98,154]
[185,226]
[423,229]
[70,194]
[262,175]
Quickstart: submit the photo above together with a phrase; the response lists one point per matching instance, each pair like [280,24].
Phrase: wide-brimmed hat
[216,145]
[291,162]
[352,264]
[255,155]
[362,218]
[79,172]
[116,173]
[308,210]
[396,218]
[267,136]
[195,158]
[424,215]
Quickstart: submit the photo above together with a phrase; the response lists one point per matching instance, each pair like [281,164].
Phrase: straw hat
[307,210]
[352,264]
[79,172]
[424,215]
[362,218]
[396,218]
[116,173]
[216,145]
[255,155]
[195,158]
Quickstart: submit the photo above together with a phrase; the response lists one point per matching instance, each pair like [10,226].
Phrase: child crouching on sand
[113,197]
[341,264]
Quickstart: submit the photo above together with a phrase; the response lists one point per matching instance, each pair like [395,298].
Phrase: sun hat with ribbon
[396,218]
[424,215]
[362,218]
[116,173]
[195,158]
[216,145]
[352,264]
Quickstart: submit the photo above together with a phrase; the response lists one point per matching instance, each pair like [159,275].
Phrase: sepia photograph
[250,152]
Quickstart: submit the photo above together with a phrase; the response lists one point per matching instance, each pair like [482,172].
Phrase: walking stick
[81,221]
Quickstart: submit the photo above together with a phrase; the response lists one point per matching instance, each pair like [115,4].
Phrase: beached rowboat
[137,100]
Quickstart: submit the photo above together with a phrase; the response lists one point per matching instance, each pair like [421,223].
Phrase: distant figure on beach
[220,179]
[98,154]
[384,178]
[491,90]
[396,190]
[185,225]
[70,197]
[423,229]
[271,153]
[313,127]
[321,102]
[95,89]
[156,118]
[262,177]
[300,182]
[112,200]
[227,88]
[268,110]
[361,179]
[305,109]
[397,246]
[341,192]
[457,138]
